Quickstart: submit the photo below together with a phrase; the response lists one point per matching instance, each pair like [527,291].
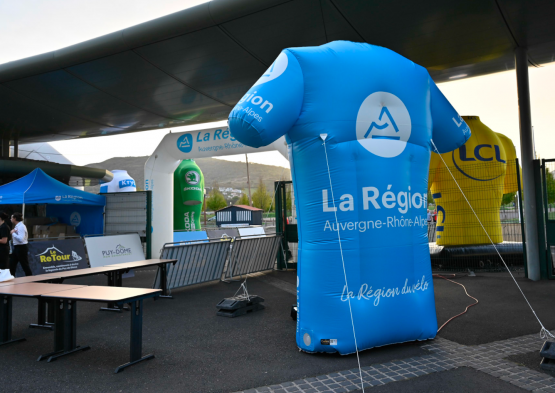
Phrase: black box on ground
[232,307]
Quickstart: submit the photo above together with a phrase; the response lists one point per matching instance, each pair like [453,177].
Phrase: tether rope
[324,136]
[243,286]
[544,333]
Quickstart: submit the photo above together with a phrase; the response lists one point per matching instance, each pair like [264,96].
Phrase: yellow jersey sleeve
[511,184]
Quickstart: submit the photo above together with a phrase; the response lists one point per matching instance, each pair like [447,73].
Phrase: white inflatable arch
[159,169]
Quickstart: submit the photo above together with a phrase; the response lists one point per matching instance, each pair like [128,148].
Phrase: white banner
[111,250]
[256,231]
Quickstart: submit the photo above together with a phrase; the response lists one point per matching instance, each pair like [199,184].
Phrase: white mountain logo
[52,254]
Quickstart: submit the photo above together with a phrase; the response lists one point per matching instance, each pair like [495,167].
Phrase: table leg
[41,318]
[119,283]
[57,306]
[65,331]
[164,281]
[114,280]
[6,321]
[136,347]
[51,316]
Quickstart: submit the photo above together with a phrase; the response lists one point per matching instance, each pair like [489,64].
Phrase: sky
[31,27]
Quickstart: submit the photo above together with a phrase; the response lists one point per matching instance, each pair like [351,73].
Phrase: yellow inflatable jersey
[485,169]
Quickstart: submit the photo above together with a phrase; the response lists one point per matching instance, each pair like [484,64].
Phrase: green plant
[508,198]
[289,202]
[243,200]
[261,198]
[550,186]
[215,200]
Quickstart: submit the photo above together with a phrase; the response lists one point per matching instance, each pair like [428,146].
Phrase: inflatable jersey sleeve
[435,161]
[449,130]
[272,105]
[511,184]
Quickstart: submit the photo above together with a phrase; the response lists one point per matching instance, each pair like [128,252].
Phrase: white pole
[248,180]
[533,245]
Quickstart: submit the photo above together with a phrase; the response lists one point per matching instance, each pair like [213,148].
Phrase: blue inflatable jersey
[378,113]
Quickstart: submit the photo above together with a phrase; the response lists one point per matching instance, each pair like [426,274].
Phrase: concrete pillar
[527,156]
[5,145]
[16,145]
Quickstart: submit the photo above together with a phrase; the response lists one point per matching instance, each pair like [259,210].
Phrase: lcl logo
[478,154]
[481,153]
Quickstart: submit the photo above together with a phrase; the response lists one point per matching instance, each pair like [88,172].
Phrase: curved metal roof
[192,66]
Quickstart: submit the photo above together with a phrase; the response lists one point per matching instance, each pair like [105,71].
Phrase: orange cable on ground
[467,307]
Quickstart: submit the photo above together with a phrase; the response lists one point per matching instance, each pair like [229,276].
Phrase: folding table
[66,312]
[161,263]
[7,292]
[27,279]
[59,277]
[110,270]
[114,273]
[41,318]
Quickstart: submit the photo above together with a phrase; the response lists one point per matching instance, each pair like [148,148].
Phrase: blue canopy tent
[72,207]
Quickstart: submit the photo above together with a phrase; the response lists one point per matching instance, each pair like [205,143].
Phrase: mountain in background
[225,173]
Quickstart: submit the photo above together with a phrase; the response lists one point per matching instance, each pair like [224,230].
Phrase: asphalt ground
[197,351]
[502,312]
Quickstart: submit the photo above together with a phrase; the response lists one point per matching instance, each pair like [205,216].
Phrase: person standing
[5,237]
[20,248]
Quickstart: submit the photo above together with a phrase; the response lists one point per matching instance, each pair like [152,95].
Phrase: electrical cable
[544,333]
[465,291]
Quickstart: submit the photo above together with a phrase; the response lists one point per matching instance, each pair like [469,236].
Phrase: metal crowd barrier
[197,262]
[209,260]
[252,254]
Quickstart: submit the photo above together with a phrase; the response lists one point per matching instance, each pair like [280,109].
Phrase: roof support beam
[16,145]
[332,2]
[5,145]
[527,155]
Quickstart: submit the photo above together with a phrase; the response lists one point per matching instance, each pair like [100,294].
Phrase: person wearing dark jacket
[5,237]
